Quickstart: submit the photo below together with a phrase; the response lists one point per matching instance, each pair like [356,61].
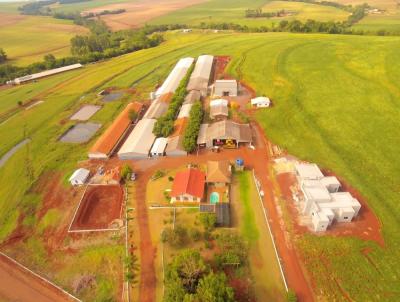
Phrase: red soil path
[99,207]
[17,284]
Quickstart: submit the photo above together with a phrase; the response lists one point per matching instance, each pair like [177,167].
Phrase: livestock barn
[108,142]
[200,78]
[139,142]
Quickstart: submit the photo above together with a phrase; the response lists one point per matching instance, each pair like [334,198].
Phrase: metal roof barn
[225,88]
[175,77]
[200,77]
[110,139]
[139,142]
[185,111]
[43,74]
[226,129]
[175,146]
[159,146]
[219,112]
[156,109]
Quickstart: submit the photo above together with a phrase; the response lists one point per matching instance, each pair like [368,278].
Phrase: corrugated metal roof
[218,111]
[47,73]
[140,140]
[229,129]
[185,111]
[156,109]
[159,145]
[201,138]
[192,97]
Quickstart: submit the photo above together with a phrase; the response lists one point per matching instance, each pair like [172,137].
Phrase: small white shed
[261,102]
[159,146]
[79,177]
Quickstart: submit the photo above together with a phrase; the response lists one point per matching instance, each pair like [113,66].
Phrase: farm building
[200,78]
[192,97]
[219,112]
[188,186]
[322,201]
[261,102]
[175,146]
[185,111]
[79,177]
[219,172]
[139,142]
[175,77]
[219,102]
[159,146]
[39,75]
[202,136]
[156,110]
[226,134]
[106,144]
[225,88]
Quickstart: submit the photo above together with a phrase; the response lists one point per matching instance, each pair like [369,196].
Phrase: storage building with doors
[139,142]
[200,78]
[175,77]
[225,88]
[115,133]
[159,146]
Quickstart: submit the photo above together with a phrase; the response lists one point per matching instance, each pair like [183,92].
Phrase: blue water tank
[239,162]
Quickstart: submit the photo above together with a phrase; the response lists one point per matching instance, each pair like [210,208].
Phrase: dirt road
[17,284]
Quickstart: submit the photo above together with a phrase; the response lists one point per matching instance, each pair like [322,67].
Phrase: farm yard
[315,117]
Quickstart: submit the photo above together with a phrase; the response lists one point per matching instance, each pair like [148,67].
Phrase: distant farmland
[26,39]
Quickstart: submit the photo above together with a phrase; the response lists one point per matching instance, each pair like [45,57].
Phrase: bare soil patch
[10,19]
[139,12]
[99,207]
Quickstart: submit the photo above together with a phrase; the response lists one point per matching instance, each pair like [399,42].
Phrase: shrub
[126,172]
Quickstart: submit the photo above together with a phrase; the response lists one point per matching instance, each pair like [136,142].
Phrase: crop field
[224,11]
[386,21]
[26,39]
[336,101]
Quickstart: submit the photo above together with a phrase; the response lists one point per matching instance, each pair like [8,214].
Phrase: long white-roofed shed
[139,142]
[175,77]
[200,77]
[159,146]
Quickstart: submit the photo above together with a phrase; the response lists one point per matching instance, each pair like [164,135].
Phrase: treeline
[165,124]
[295,26]
[42,8]
[105,12]
[192,130]
[100,44]
[258,13]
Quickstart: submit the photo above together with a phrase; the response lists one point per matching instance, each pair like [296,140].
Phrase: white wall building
[159,146]
[79,177]
[322,201]
[261,102]
[225,88]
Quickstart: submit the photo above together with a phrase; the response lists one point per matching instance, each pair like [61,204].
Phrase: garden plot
[85,113]
[80,133]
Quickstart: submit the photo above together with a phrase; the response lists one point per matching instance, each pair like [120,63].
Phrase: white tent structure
[177,74]
[159,146]
[261,102]
[139,142]
[79,177]
[200,77]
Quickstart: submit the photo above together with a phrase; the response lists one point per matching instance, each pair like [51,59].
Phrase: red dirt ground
[365,226]
[17,284]
[99,207]
[219,67]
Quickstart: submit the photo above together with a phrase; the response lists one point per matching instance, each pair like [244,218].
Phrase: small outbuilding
[219,172]
[219,102]
[159,146]
[219,112]
[225,88]
[79,177]
[261,102]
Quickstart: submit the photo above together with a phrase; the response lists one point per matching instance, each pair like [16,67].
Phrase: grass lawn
[28,38]
[249,219]
[336,101]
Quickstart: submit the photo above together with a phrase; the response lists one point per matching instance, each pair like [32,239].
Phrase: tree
[3,56]
[233,249]
[214,288]
[126,172]
[291,296]
[208,220]
[50,61]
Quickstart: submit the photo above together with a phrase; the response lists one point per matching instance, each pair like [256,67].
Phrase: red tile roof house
[188,186]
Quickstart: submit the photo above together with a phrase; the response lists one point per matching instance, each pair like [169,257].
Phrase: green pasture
[336,102]
[247,210]
[225,11]
[385,21]
[81,6]
[27,40]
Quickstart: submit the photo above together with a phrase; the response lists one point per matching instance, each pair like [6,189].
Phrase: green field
[225,11]
[81,6]
[29,38]
[386,21]
[336,103]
